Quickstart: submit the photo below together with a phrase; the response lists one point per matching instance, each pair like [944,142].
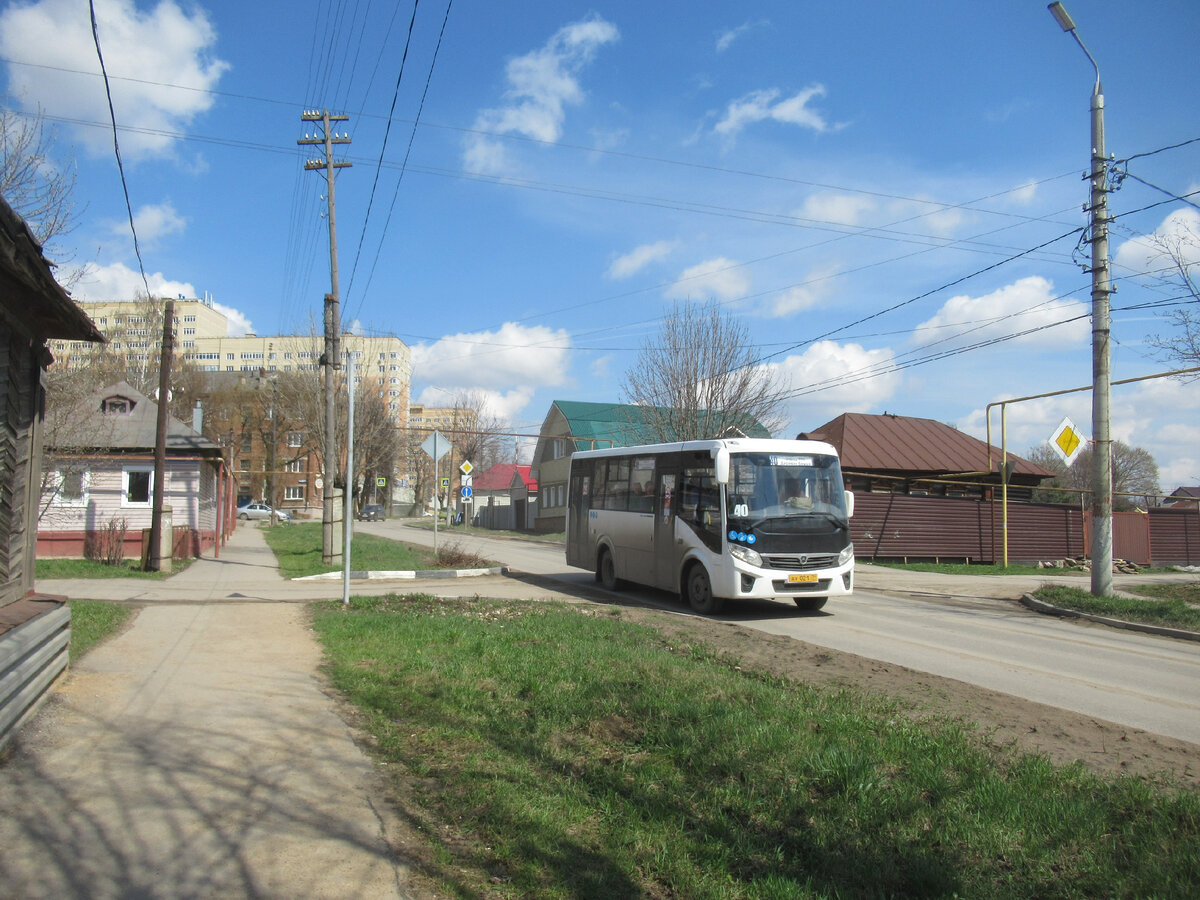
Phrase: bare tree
[133,354]
[701,378]
[1135,476]
[30,180]
[1179,251]
[377,443]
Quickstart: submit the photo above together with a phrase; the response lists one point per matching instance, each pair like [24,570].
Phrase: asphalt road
[969,629]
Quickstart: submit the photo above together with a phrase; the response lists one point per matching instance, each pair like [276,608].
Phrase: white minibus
[714,520]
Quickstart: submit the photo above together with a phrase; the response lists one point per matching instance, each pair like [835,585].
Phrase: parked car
[371,513]
[261,511]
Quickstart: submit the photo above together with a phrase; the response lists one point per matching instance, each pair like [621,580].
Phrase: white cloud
[827,360]
[1025,194]
[1026,304]
[513,358]
[758,106]
[541,84]
[239,325]
[636,260]
[726,38]
[841,209]
[119,282]
[1180,230]
[804,296]
[721,278]
[144,53]
[504,405]
[153,222]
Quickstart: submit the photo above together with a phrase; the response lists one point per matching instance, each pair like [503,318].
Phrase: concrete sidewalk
[196,755]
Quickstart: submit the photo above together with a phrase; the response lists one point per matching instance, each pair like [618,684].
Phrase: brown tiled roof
[894,444]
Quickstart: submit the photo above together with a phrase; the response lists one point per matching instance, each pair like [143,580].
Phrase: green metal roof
[623,425]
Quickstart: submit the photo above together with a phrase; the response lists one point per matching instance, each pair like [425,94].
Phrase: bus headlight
[746,555]
[846,555]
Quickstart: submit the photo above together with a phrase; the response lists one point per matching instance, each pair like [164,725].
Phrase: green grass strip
[92,621]
[62,567]
[298,549]
[1173,612]
[579,756]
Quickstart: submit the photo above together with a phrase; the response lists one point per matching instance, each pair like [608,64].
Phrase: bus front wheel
[606,572]
[699,592]
[810,604]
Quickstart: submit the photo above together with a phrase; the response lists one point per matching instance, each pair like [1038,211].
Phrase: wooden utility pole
[331,359]
[154,554]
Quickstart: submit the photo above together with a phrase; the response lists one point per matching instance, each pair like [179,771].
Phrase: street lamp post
[1102,552]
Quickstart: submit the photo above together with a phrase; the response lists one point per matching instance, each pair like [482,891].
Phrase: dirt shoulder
[1002,721]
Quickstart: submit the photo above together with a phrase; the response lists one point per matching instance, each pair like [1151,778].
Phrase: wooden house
[34,309]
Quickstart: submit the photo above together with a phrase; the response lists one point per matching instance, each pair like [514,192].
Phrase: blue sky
[578,167]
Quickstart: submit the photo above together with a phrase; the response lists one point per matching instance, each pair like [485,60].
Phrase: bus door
[633,532]
[579,501]
[667,551]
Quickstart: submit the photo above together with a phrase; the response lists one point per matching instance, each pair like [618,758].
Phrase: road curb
[405,575]
[1039,606]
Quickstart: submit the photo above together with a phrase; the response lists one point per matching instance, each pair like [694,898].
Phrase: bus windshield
[799,488]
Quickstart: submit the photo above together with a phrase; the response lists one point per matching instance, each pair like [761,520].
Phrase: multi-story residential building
[134,332]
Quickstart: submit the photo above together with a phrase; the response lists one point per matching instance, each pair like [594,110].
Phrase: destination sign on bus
[791,460]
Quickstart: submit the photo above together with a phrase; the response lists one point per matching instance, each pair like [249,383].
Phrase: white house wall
[191,494]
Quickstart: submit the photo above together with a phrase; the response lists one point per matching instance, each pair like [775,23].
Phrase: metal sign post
[436,445]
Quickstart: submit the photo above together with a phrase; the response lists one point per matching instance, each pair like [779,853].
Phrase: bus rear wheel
[810,604]
[699,592]
[606,572]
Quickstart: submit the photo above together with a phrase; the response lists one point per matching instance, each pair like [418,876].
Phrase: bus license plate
[802,578]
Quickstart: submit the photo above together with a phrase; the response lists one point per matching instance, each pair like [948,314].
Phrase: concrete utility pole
[1102,521]
[331,359]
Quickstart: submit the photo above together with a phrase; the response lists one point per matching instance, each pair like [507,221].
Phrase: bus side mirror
[849,504]
[721,460]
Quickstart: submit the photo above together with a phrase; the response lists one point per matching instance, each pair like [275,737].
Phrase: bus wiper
[839,521]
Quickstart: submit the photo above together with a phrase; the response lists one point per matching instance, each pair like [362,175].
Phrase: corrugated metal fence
[897,526]
[32,656]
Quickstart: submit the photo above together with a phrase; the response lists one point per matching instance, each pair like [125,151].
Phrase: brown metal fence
[900,527]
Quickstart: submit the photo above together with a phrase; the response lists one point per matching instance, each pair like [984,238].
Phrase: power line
[117,146]
[411,138]
[921,296]
[382,148]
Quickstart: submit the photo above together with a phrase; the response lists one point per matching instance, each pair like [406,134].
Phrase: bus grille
[804,587]
[801,563]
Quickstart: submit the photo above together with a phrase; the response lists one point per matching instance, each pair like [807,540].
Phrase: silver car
[261,511]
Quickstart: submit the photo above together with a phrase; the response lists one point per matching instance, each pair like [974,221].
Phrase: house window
[138,485]
[293,492]
[295,465]
[72,485]
[295,439]
[116,405]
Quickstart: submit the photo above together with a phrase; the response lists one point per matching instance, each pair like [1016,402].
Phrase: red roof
[890,443]
[502,476]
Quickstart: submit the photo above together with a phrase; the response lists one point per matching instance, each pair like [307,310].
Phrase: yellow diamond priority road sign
[1067,442]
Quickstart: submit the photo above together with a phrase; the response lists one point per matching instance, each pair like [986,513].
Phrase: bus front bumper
[755,583]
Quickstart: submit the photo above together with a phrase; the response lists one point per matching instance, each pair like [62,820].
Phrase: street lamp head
[1061,16]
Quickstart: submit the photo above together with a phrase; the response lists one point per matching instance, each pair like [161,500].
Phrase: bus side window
[641,487]
[618,484]
[599,489]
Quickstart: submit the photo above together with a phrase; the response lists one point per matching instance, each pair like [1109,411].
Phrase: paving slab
[197,755]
